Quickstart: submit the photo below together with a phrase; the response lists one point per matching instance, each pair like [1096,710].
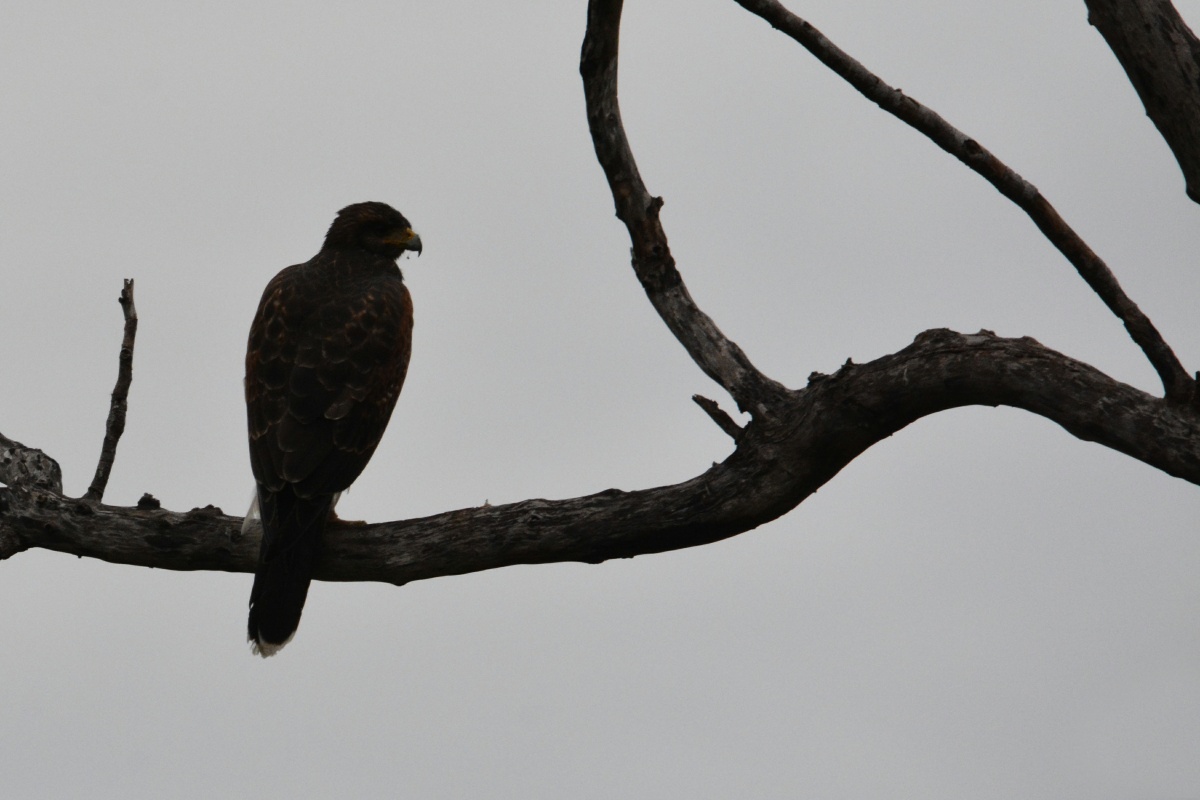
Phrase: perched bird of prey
[327,356]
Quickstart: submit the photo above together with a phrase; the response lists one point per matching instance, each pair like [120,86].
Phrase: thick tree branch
[795,442]
[115,425]
[1161,56]
[780,460]
[1177,384]
[721,359]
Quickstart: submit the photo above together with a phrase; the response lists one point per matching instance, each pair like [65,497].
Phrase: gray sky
[980,606]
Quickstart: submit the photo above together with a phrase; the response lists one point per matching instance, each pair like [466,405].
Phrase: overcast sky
[979,607]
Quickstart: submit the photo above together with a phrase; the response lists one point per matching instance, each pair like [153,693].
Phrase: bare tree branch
[115,426]
[721,359]
[1177,384]
[795,442]
[1161,56]
[780,460]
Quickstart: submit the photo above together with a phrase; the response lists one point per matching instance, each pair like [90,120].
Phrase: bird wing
[324,367]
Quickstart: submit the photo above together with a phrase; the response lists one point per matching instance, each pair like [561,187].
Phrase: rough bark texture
[796,441]
[1161,56]
[28,466]
[809,436]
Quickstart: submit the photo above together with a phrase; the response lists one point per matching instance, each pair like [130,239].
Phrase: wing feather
[324,368]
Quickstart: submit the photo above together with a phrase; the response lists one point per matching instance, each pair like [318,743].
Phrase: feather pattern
[326,359]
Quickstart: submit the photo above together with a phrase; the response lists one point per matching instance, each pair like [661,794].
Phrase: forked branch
[1177,384]
[795,442]
[778,463]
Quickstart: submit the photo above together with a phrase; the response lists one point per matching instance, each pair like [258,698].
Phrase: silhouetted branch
[795,442]
[721,359]
[115,425]
[1161,57]
[809,436]
[1177,384]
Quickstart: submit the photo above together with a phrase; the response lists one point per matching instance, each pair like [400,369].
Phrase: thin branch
[719,357]
[1161,57]
[115,425]
[1177,384]
[778,463]
[718,415]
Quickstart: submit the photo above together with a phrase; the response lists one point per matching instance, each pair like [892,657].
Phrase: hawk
[327,355]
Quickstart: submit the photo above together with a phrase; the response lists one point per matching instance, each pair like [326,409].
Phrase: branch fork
[795,442]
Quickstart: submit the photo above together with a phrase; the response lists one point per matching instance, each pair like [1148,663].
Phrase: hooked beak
[405,240]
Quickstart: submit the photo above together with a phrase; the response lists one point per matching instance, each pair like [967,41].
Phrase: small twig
[120,397]
[719,416]
[1177,384]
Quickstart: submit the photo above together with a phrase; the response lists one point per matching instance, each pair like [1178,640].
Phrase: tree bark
[1161,57]
[796,441]
[780,460]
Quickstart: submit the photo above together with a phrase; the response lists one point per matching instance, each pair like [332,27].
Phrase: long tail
[292,529]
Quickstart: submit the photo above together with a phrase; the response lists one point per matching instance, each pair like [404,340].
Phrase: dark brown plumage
[327,356]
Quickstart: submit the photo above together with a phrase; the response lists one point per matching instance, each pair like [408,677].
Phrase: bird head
[374,227]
